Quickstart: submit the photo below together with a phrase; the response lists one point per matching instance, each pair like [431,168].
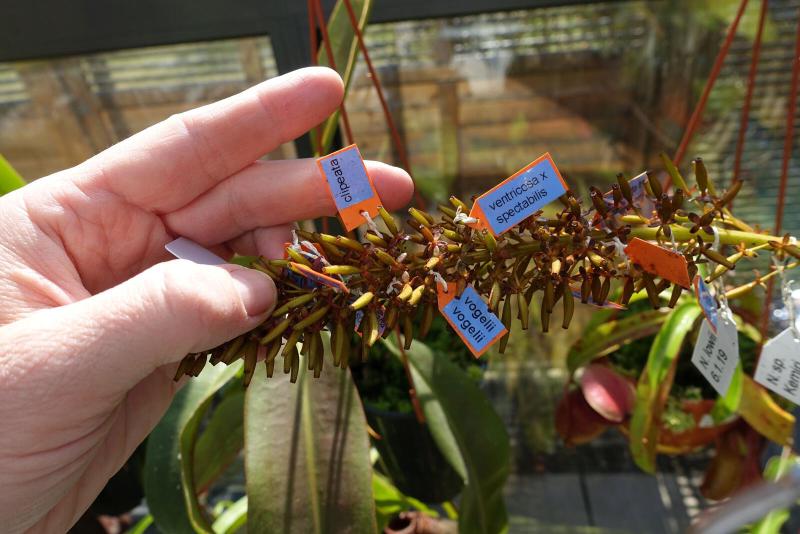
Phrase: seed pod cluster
[392,277]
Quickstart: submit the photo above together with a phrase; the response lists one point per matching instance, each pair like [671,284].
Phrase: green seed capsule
[427,320]
[388,220]
[312,318]
[295,367]
[488,238]
[341,269]
[676,294]
[549,295]
[700,174]
[421,217]
[604,290]
[506,320]
[362,301]
[569,305]
[625,188]
[459,204]
[274,333]
[232,350]
[655,185]
[376,240]
[522,309]
[545,317]
[272,350]
[270,366]
[250,360]
[408,331]
[627,291]
[715,256]
[451,213]
[405,293]
[586,287]
[416,295]
[597,288]
[385,258]
[293,303]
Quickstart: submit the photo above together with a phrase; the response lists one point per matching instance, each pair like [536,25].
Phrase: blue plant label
[779,366]
[716,354]
[707,302]
[518,197]
[350,186]
[471,318]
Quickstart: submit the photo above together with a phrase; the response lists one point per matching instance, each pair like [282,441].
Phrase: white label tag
[716,355]
[186,249]
[779,366]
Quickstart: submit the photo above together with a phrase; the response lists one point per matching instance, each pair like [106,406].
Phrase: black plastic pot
[412,458]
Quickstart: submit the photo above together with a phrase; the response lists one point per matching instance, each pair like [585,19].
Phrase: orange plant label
[471,318]
[519,196]
[659,261]
[350,186]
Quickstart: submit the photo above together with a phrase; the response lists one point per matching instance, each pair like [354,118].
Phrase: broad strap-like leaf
[221,441]
[469,433]
[390,501]
[9,177]
[169,470]
[763,414]
[307,454]
[655,383]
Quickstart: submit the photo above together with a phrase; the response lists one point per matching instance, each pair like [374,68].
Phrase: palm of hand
[93,323]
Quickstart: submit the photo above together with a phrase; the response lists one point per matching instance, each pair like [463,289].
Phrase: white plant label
[186,249]
[716,355]
[779,366]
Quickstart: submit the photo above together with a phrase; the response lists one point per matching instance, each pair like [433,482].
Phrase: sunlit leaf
[169,470]
[655,383]
[763,414]
[307,454]
[469,433]
[233,518]
[9,177]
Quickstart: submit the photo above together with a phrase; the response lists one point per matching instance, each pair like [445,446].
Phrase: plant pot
[411,457]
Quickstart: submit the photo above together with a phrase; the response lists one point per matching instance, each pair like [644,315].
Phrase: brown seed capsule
[494,296]
[272,350]
[597,201]
[408,331]
[650,287]
[625,188]
[545,318]
[662,285]
[677,200]
[427,234]
[250,360]
[597,288]
[616,194]
[186,363]
[232,350]
[627,291]
[427,320]
[700,174]
[569,305]
[523,311]
[198,365]
[287,358]
[293,303]
[655,185]
[274,333]
[270,366]
[506,320]
[676,294]
[317,353]
[392,315]
[295,367]
[604,290]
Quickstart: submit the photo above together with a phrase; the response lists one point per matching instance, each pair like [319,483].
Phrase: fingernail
[256,290]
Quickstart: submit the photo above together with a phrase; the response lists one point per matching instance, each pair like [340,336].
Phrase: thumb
[118,337]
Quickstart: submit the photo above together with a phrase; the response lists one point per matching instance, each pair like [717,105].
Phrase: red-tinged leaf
[724,475]
[576,421]
[763,414]
[608,393]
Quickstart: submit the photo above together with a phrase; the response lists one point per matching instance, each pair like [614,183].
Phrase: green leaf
[469,433]
[233,518]
[344,45]
[763,414]
[307,458]
[141,526]
[608,335]
[169,470]
[221,441]
[9,178]
[655,383]
[389,501]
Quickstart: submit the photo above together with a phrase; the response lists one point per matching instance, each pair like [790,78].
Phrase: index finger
[169,164]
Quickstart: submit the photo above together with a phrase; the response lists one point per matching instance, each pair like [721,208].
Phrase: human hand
[94,318]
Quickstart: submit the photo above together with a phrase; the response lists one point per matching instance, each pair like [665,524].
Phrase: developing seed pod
[272,352]
[405,293]
[569,305]
[549,295]
[459,204]
[491,242]
[392,315]
[604,290]
[198,365]
[376,240]
[522,308]
[293,303]
[374,331]
[506,320]
[250,360]
[586,286]
[416,295]
[291,341]
[308,350]
[597,288]
[715,256]
[616,194]
[420,217]
[450,213]
[731,193]
[344,360]
[627,291]
[216,355]
[427,234]
[545,317]
[312,318]
[662,285]
[625,188]
[362,301]
[186,364]
[274,333]
[494,296]
[665,209]
[655,185]
[270,367]
[650,287]
[317,353]
[676,294]
[388,220]
[297,257]
[700,174]
[452,235]
[232,350]
[332,251]
[433,262]
[408,331]
[341,269]
[287,359]
[427,320]
[792,251]
[597,201]
[295,366]
[677,200]
[596,259]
